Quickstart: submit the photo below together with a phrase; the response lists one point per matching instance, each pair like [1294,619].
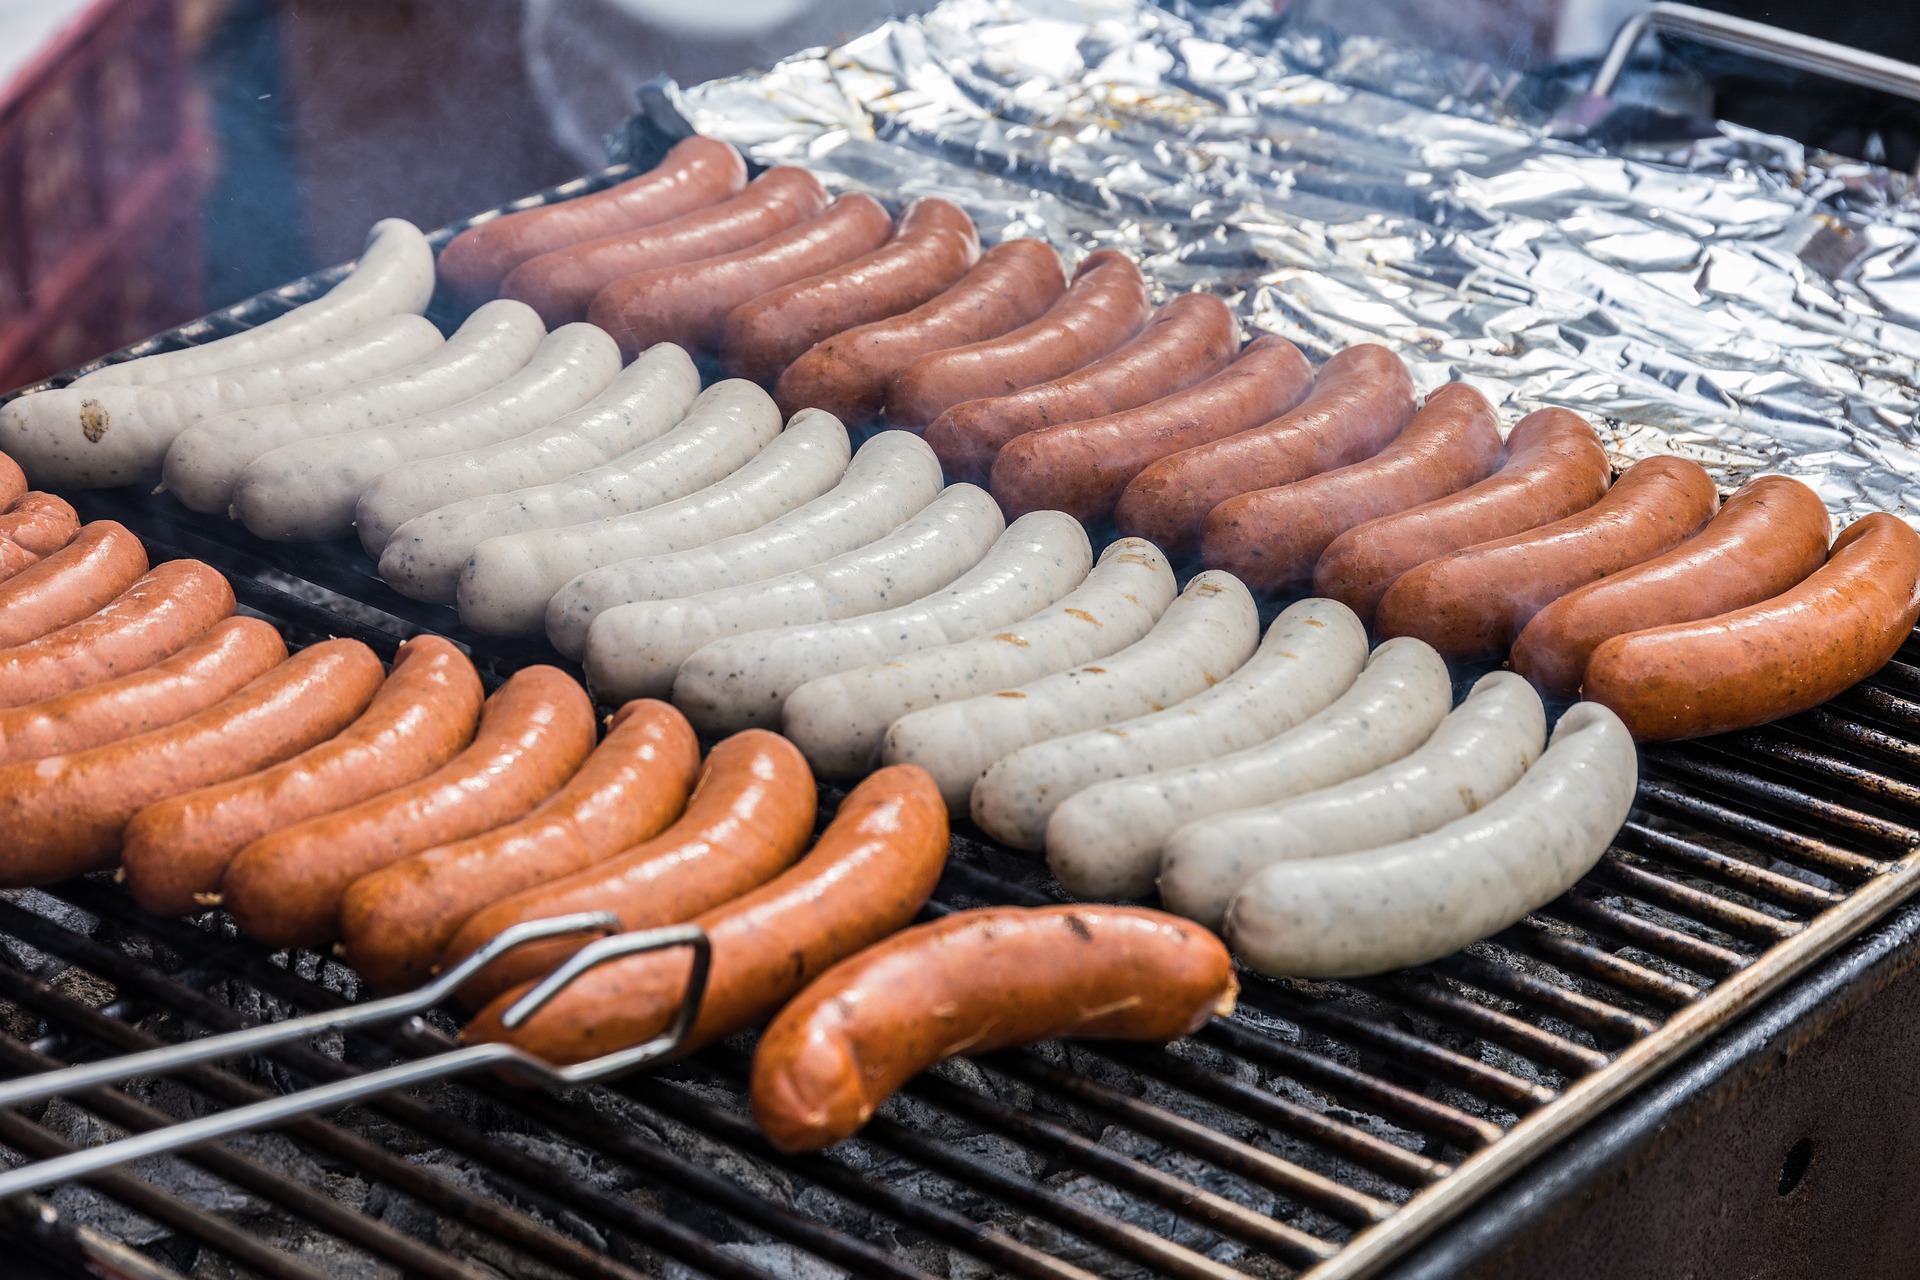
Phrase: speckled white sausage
[1479,750]
[725,427]
[1311,654]
[643,403]
[1407,903]
[508,581]
[393,275]
[205,461]
[103,436]
[307,490]
[742,682]
[893,476]
[1203,637]
[635,651]
[1106,842]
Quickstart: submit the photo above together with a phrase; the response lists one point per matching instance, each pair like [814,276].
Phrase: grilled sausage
[13,481]
[39,524]
[695,173]
[175,852]
[1360,400]
[1471,603]
[102,561]
[848,374]
[750,815]
[1272,538]
[1774,658]
[1082,468]
[1103,307]
[873,867]
[1189,340]
[285,888]
[63,815]
[934,245]
[561,284]
[977,982]
[156,617]
[395,922]
[1554,468]
[689,303]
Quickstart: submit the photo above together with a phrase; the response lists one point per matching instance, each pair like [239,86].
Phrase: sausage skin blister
[81,578]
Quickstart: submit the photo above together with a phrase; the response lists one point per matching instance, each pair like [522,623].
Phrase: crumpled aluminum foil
[1734,299]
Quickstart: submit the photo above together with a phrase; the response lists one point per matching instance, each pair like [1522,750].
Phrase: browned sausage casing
[873,867]
[285,888]
[1360,400]
[39,523]
[1271,538]
[1473,603]
[1768,536]
[1771,659]
[977,982]
[13,481]
[175,852]
[1190,339]
[72,583]
[695,173]
[1104,306]
[63,815]
[1555,467]
[561,285]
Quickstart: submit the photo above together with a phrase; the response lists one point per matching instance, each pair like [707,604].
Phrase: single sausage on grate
[78,580]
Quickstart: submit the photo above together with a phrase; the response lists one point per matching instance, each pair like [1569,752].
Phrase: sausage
[395,922]
[80,579]
[1474,602]
[39,524]
[175,852]
[156,617]
[636,649]
[63,814]
[893,476]
[695,172]
[561,284]
[1477,753]
[977,982]
[13,481]
[1189,340]
[1419,899]
[205,672]
[1272,538]
[689,303]
[872,869]
[848,374]
[1082,468]
[1106,841]
[1769,536]
[1205,634]
[1554,468]
[1774,658]
[1311,655]
[750,815]
[840,720]
[204,461]
[1360,400]
[1105,305]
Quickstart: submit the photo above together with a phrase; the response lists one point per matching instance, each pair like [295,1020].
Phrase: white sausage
[1407,903]
[394,276]
[634,651]
[727,425]
[643,403]
[1310,656]
[1105,842]
[205,461]
[1203,636]
[307,490]
[508,581]
[1479,751]
[892,476]
[101,436]
[742,682]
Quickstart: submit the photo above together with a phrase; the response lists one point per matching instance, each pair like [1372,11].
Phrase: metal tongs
[331,1097]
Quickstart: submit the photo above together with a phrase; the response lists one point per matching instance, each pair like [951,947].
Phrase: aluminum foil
[1734,299]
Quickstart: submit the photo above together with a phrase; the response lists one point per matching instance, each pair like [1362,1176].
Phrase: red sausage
[13,481]
[78,580]
[39,523]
